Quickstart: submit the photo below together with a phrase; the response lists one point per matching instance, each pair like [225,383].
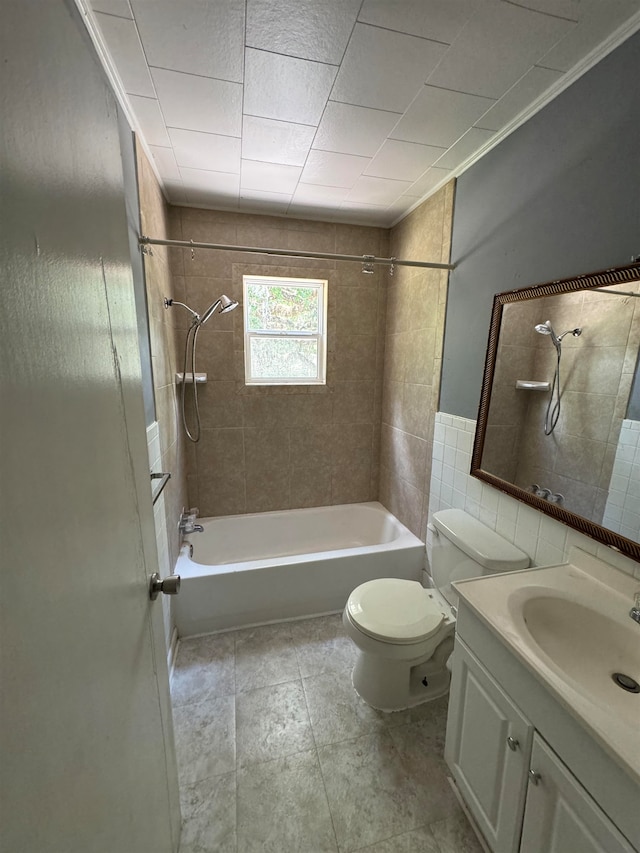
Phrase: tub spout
[197,528]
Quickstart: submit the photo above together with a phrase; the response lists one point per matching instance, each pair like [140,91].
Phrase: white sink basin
[570,626]
[586,646]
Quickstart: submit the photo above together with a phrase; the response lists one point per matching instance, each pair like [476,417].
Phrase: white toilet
[405,632]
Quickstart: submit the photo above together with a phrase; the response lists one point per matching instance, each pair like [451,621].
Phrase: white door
[488,746]
[560,816]
[87,762]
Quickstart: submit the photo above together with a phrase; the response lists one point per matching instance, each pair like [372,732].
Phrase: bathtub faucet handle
[187,523]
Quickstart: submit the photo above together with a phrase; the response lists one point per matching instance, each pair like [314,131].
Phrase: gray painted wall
[560,196]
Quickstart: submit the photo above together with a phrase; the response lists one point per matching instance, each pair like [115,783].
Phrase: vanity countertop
[570,626]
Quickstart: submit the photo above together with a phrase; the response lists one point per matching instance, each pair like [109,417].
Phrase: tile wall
[597,370]
[622,510]
[544,539]
[269,448]
[165,563]
[413,353]
[164,338]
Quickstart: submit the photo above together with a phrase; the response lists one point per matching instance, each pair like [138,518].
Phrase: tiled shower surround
[280,447]
[544,539]
[267,448]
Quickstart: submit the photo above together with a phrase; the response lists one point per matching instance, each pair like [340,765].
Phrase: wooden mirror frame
[616,275]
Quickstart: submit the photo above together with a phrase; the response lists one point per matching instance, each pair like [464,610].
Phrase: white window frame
[320,286]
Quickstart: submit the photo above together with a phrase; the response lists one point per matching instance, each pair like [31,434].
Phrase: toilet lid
[394,610]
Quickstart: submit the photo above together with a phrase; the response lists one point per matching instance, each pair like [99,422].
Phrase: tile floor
[277,753]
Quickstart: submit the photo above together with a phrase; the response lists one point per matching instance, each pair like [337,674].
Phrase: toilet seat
[394,611]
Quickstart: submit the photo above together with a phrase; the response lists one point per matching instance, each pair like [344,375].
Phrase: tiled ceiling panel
[151,120]
[596,18]
[496,47]
[351,110]
[440,116]
[276,141]
[333,170]
[384,69]
[526,90]
[203,150]
[192,36]
[353,130]
[315,29]
[286,88]
[125,47]
[199,103]
[403,161]
[439,20]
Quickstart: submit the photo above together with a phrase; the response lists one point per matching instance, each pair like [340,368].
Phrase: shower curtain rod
[617,292]
[287,253]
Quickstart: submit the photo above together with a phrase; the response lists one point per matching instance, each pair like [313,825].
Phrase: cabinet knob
[534,777]
[512,743]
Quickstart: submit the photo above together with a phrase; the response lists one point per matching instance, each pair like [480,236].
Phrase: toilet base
[391,685]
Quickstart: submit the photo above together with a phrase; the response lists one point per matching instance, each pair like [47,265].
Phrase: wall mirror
[559,418]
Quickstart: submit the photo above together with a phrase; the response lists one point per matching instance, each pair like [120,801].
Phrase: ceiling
[345,110]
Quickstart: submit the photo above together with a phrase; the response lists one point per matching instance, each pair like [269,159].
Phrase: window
[285,331]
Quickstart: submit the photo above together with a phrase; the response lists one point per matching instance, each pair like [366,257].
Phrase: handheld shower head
[222,305]
[547,329]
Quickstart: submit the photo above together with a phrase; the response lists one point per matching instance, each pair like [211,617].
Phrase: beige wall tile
[353,401]
[310,446]
[220,405]
[355,357]
[416,301]
[357,310]
[310,486]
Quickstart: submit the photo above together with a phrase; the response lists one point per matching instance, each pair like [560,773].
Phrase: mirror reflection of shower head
[547,329]
[222,305]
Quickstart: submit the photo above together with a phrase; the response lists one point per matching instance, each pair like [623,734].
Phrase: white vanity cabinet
[488,748]
[559,814]
[520,793]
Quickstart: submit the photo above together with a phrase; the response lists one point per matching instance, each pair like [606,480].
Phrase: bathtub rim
[189,568]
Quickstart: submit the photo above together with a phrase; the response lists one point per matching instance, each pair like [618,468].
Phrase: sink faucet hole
[626,682]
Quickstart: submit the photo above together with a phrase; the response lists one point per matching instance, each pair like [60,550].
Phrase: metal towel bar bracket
[164,478]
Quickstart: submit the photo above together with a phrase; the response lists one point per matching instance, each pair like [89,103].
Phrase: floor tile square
[419,748]
[454,835]
[205,739]
[336,711]
[209,815]
[417,841]
[204,669]
[282,807]
[371,795]
[322,645]
[272,722]
[265,655]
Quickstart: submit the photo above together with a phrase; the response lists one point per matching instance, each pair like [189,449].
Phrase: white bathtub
[251,569]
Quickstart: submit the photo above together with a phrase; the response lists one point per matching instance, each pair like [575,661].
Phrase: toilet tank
[464,547]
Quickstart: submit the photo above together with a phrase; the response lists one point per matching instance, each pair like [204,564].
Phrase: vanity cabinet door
[488,748]
[560,816]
